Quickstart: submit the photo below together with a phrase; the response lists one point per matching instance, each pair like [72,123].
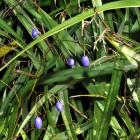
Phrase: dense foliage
[69,70]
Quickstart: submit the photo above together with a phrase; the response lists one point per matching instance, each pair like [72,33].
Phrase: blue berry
[59,106]
[35,32]
[70,62]
[38,122]
[85,61]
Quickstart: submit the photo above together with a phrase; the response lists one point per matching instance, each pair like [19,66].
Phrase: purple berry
[70,62]
[59,106]
[35,32]
[38,122]
[85,61]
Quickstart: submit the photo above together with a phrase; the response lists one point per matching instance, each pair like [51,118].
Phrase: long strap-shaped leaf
[110,103]
[76,19]
[123,47]
[66,115]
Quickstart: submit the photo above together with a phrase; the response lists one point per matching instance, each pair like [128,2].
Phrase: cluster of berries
[38,120]
[84,60]
[70,61]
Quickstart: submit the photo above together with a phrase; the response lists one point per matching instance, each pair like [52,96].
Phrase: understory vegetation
[69,70]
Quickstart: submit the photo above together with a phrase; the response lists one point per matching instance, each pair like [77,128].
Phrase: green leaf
[110,102]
